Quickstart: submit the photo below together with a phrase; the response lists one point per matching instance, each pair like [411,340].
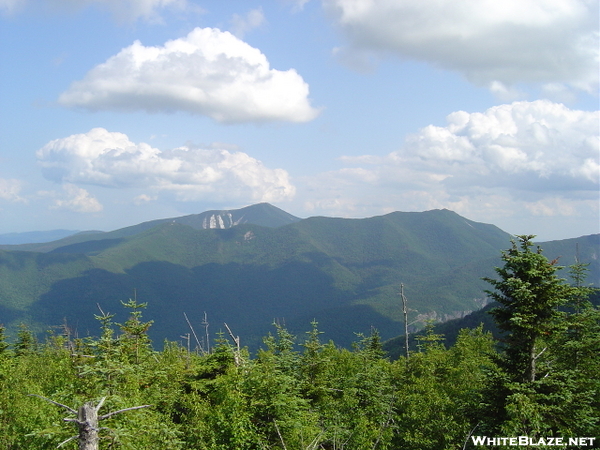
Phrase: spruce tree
[544,386]
[529,293]
[26,342]
[3,343]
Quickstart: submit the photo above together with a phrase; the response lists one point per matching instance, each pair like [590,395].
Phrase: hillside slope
[345,273]
[263,214]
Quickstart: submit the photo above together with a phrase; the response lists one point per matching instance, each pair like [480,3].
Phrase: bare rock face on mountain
[262,214]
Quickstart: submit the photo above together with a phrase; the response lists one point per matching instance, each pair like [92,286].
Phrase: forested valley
[299,392]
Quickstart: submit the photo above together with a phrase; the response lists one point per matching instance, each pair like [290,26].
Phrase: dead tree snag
[87,421]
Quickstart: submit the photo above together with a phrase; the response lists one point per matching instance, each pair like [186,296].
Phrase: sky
[114,112]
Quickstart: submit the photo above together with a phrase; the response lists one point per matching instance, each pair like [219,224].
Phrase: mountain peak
[263,214]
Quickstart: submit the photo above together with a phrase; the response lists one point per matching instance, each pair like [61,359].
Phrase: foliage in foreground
[308,394]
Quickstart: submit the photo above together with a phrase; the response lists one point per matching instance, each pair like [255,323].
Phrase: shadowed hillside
[345,273]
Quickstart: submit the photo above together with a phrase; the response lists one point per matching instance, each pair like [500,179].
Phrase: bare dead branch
[110,414]
[469,435]
[193,331]
[101,311]
[235,339]
[279,434]
[68,440]
[315,442]
[236,352]
[540,353]
[405,311]
[100,403]
[71,410]
[205,325]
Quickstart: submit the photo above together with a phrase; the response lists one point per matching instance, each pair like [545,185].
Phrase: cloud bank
[109,159]
[540,41]
[541,156]
[208,72]
[526,146]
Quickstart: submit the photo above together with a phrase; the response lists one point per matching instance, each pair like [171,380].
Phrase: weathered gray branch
[106,416]
[236,354]
[71,410]
[68,440]
[540,353]
[279,434]
[100,403]
[193,332]
[469,435]
[405,311]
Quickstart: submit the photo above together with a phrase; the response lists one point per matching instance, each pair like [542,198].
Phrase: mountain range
[34,236]
[255,265]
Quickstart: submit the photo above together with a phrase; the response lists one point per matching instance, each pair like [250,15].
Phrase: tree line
[540,380]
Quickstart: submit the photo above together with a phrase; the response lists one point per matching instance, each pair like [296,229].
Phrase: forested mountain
[115,391]
[345,273]
[34,236]
[262,214]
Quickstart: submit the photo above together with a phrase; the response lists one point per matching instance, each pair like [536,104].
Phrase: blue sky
[113,112]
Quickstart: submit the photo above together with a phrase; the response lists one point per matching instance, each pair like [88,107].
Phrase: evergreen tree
[552,339]
[26,342]
[529,293]
[3,344]
[135,342]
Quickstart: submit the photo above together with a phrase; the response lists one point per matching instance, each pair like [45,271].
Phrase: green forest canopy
[302,393]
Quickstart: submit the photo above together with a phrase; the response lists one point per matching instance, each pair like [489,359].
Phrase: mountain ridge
[263,214]
[27,237]
[345,273]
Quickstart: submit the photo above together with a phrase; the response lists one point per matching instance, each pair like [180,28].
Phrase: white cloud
[523,146]
[143,198]
[558,92]
[241,25]
[519,160]
[10,189]
[77,199]
[110,159]
[550,207]
[513,41]
[122,10]
[505,93]
[208,72]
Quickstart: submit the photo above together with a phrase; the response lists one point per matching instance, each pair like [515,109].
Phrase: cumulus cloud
[10,190]
[540,41]
[110,159]
[525,146]
[77,199]
[208,72]
[521,159]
